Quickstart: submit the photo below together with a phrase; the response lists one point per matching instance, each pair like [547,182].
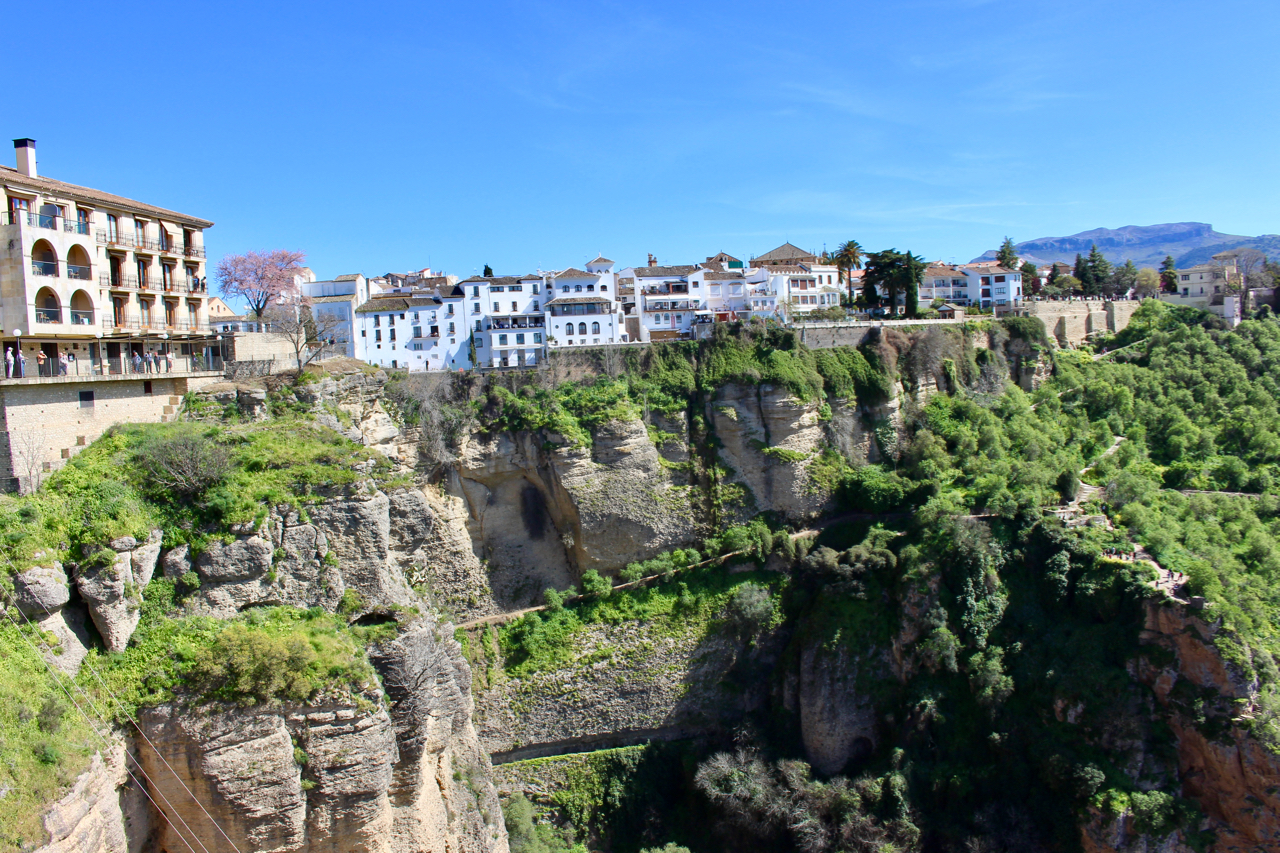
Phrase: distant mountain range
[1190,243]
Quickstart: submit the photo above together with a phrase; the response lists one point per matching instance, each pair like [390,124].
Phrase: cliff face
[405,776]
[1232,775]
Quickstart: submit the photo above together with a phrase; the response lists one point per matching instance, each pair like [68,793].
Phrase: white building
[508,318]
[421,331]
[992,286]
[582,310]
[947,282]
[666,299]
[333,304]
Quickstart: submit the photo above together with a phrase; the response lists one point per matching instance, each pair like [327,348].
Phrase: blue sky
[389,136]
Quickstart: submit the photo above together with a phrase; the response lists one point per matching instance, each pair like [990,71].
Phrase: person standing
[22,364]
[137,362]
[62,363]
[168,357]
[8,362]
[41,358]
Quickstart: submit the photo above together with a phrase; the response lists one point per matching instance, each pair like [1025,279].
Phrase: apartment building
[104,312]
[992,286]
[417,330]
[333,304]
[666,299]
[1210,287]
[583,310]
[946,282]
[508,318]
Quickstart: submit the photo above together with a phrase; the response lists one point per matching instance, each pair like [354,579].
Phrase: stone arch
[48,306]
[82,309]
[44,259]
[79,267]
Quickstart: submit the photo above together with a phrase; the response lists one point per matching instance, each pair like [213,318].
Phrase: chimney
[653,262]
[26,151]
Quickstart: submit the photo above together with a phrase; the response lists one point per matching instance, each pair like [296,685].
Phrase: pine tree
[1169,274]
[488,271]
[1030,278]
[1098,271]
[1080,271]
[1007,255]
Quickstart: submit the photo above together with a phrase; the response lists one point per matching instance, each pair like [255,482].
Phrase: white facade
[507,316]
[415,333]
[992,286]
[333,304]
[582,310]
[667,299]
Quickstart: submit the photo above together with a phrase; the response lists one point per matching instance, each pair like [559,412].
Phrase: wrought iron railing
[49,268]
[81,318]
[48,315]
[79,273]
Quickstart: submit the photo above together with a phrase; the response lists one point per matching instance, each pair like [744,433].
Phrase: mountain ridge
[1189,243]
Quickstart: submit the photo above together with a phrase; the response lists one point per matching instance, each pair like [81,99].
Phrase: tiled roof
[324,300]
[493,279]
[394,303]
[13,178]
[992,268]
[722,276]
[348,277]
[571,272]
[785,252]
[660,272]
[600,259]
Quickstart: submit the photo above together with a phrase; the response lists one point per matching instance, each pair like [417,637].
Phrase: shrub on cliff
[183,465]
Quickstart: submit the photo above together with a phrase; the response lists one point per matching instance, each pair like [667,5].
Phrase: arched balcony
[81,309]
[48,308]
[44,260]
[79,267]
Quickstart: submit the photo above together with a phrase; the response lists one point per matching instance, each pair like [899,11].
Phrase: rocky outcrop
[92,816]
[769,440]
[1233,776]
[111,581]
[40,591]
[541,511]
[404,774]
[837,720]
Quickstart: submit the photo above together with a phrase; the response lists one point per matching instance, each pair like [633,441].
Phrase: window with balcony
[82,221]
[166,276]
[140,232]
[144,311]
[113,228]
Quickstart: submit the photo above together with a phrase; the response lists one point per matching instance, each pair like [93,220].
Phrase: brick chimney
[26,151]
[653,262]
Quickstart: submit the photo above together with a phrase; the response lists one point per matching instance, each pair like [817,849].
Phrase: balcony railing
[116,239]
[76,227]
[49,268]
[118,282]
[122,366]
[194,251]
[48,315]
[81,318]
[79,273]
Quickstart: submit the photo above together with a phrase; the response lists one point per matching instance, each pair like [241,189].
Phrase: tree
[1169,275]
[1147,283]
[1066,284]
[848,257]
[1007,255]
[894,272]
[309,335]
[1250,272]
[184,465]
[1030,278]
[488,271]
[1122,279]
[1097,271]
[261,279]
[1080,270]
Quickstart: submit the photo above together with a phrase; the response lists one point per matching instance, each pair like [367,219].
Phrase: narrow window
[146,387]
[86,399]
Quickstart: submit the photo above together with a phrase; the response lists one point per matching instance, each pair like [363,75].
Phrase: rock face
[542,512]
[770,439]
[92,816]
[837,721]
[1234,777]
[405,775]
[113,591]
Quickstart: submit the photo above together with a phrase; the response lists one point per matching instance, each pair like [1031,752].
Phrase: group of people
[1120,554]
[15,364]
[152,362]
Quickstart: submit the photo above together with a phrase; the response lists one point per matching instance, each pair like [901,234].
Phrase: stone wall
[1072,323]
[43,423]
[261,346]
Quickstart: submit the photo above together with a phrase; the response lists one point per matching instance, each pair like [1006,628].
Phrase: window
[401,317]
[393,334]
[166,275]
[450,311]
[516,288]
[999,279]
[415,317]
[535,307]
[1186,278]
[564,288]
[113,228]
[679,319]
[535,287]
[537,337]
[475,292]
[502,340]
[140,232]
[363,333]
[146,387]
[451,331]
[377,320]
[377,335]
[520,340]
[595,328]
[496,307]
[480,342]
[604,288]
[86,399]
[582,328]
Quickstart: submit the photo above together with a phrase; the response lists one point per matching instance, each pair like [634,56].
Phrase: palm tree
[848,257]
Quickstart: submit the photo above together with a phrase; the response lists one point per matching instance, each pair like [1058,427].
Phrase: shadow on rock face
[533,511]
